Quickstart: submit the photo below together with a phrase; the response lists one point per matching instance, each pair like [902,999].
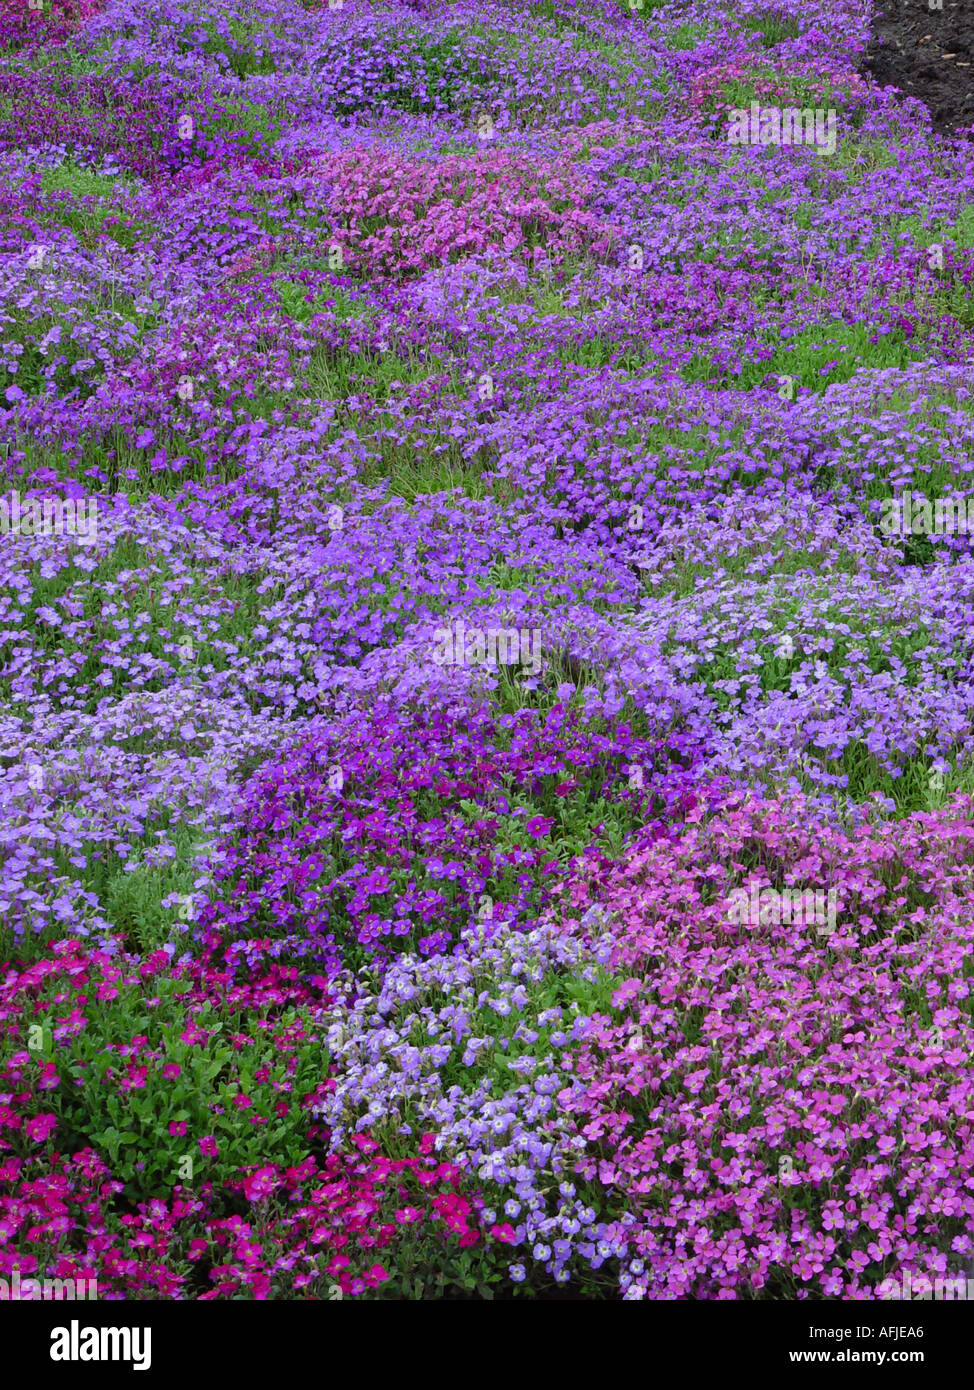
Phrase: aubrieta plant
[486,679]
[784,1105]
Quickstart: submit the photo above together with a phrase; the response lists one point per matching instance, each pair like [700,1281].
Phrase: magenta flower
[538,826]
[505,1234]
[407,1215]
[260,1184]
[40,1127]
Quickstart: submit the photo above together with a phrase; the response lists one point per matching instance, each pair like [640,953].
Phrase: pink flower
[626,991]
[40,1127]
[260,1184]
[209,1146]
[157,961]
[505,1234]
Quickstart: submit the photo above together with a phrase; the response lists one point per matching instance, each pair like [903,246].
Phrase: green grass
[240,49]
[814,358]
[686,36]
[773,26]
[79,182]
[91,204]
[261,123]
[914,790]
[132,901]
[686,578]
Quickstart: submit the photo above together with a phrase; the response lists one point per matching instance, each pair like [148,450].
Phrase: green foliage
[813,358]
[116,1095]
[773,26]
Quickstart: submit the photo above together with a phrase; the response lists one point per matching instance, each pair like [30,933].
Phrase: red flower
[505,1234]
[40,1127]
[48,1078]
[260,1184]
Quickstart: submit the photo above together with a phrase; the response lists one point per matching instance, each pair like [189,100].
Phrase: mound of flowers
[786,1104]
[359,1223]
[138,1078]
[25,26]
[395,217]
[394,833]
[477,1046]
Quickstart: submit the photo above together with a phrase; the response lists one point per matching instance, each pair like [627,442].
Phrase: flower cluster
[396,218]
[619,939]
[785,1106]
[357,846]
[317,1230]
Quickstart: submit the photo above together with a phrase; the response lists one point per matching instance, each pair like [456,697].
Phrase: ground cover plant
[486,594]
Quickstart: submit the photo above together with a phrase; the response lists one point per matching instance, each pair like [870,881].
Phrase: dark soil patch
[928,54]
